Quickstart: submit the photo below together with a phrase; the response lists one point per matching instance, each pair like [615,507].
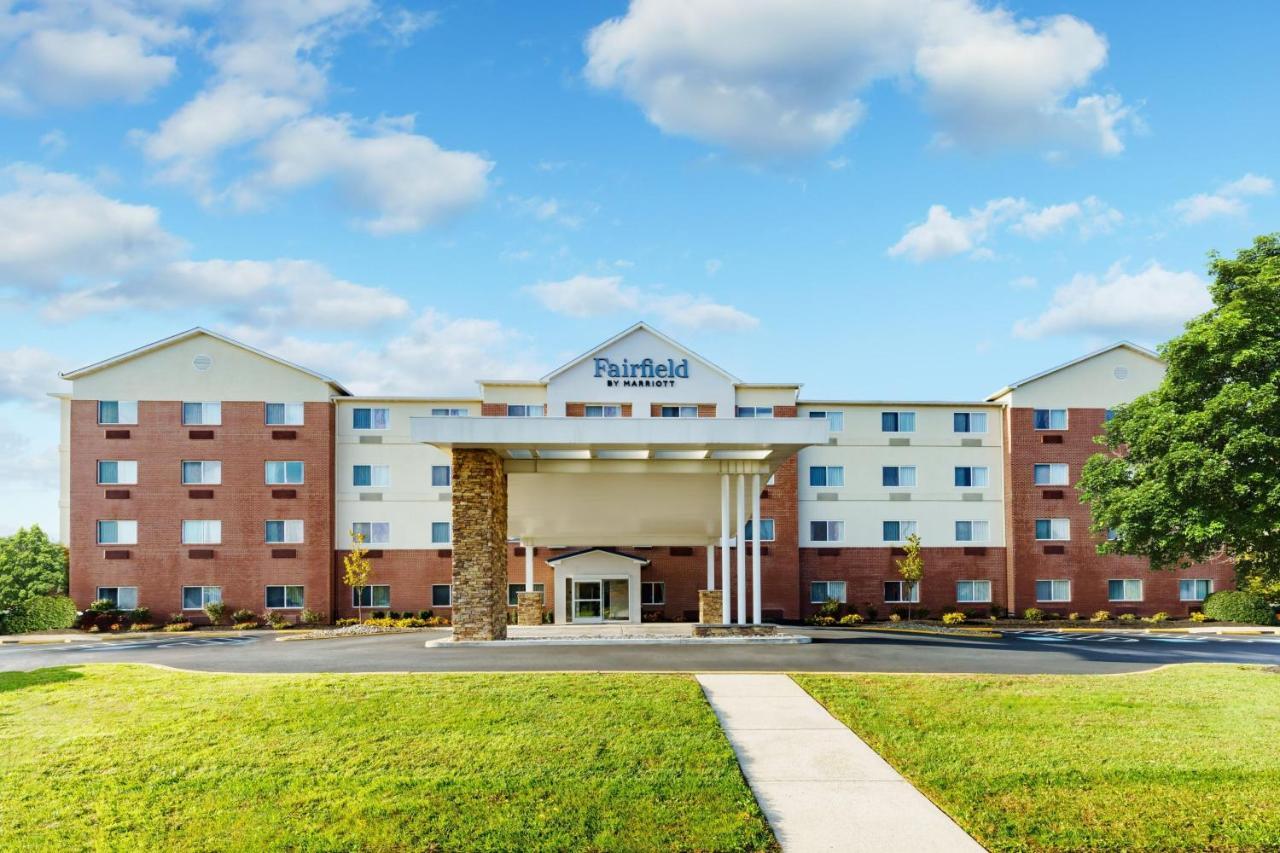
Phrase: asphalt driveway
[1032,652]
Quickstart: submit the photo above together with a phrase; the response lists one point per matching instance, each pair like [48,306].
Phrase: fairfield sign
[641,374]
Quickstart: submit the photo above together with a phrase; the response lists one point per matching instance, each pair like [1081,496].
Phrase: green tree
[356,569]
[1191,470]
[30,566]
[911,568]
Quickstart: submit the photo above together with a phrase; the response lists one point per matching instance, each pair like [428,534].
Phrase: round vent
[202,362]
[1121,373]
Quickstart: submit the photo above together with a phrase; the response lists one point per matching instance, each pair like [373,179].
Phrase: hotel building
[617,486]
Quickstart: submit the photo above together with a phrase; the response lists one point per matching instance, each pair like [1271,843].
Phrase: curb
[974,633]
[784,640]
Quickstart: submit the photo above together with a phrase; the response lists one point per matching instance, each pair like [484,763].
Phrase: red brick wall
[1080,562]
[493,410]
[864,571]
[410,573]
[160,565]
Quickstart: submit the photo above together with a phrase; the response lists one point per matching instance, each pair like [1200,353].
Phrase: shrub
[425,614]
[244,616]
[311,617]
[922,613]
[953,618]
[180,625]
[216,611]
[43,613]
[1073,616]
[378,614]
[1233,605]
[141,626]
[445,621]
[140,614]
[900,612]
[1100,616]
[998,611]
[1052,614]
[1157,618]
[274,620]
[1033,614]
[1127,617]
[1198,616]
[345,623]
[830,607]
[244,626]
[851,619]
[104,621]
[872,613]
[895,617]
[101,605]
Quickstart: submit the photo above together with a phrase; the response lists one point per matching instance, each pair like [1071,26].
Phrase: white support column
[755,549]
[528,567]
[742,549]
[711,565]
[725,601]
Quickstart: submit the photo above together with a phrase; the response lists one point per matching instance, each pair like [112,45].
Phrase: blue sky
[879,199]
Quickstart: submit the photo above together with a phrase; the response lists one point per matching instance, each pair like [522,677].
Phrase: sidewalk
[819,785]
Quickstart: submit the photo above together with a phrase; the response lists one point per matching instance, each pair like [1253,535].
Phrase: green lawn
[125,757]
[1179,758]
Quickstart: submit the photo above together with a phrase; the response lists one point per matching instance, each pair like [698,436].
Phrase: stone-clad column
[479,546]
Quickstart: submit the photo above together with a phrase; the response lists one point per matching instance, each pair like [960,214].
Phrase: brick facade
[865,570]
[243,563]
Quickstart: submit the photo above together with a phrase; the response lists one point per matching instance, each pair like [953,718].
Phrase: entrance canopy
[622,481]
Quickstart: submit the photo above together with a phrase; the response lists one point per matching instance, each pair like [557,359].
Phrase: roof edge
[1125,344]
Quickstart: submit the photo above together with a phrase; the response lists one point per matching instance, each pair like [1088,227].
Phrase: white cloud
[29,374]
[53,143]
[54,226]
[1025,282]
[942,235]
[1151,302]
[1228,200]
[596,296]
[1047,220]
[784,77]
[30,474]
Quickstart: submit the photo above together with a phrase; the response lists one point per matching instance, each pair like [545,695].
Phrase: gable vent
[202,362]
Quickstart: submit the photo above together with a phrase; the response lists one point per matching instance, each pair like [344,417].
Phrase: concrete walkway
[820,786]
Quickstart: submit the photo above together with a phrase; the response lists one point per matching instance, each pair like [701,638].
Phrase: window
[284,531]
[973,591]
[1194,589]
[201,532]
[1113,534]
[202,473]
[826,475]
[897,421]
[820,592]
[362,418]
[755,411]
[1125,590]
[653,592]
[117,411]
[826,531]
[371,532]
[370,475]
[201,414]
[898,476]
[284,597]
[766,530]
[1050,418]
[969,477]
[449,413]
[374,595]
[524,411]
[1053,529]
[973,531]
[835,420]
[901,592]
[440,532]
[514,588]
[602,411]
[121,597]
[441,595]
[1050,474]
[284,414]
[117,532]
[1053,590]
[679,411]
[117,472]
[441,475]
[897,531]
[284,473]
[969,422]
[196,597]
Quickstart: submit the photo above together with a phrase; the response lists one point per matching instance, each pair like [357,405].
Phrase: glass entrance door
[586,601]
[600,600]
[617,604]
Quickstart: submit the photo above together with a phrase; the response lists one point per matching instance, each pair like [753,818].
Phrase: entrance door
[600,600]
[617,605]
[586,601]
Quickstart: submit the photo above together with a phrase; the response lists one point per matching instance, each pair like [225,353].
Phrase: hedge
[1234,605]
[38,614]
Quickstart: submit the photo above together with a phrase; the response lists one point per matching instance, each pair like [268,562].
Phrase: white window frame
[357,592]
[1053,590]
[1056,526]
[210,413]
[1062,469]
[294,414]
[126,413]
[126,535]
[971,416]
[834,419]
[838,528]
[134,606]
[974,476]
[375,527]
[898,420]
[284,594]
[448,529]
[602,410]
[210,472]
[292,532]
[205,597]
[913,588]
[682,410]
[915,478]
[1126,597]
[973,586]
[975,525]
[842,598]
[753,411]
[445,412]
[659,587]
[827,476]
[449,595]
[379,476]
[1066,415]
[286,481]
[373,418]
[202,531]
[1197,581]
[905,529]
[448,476]
[126,472]
[771,528]
[525,410]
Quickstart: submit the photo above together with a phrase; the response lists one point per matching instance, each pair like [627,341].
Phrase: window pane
[980,478]
[817,476]
[906,422]
[890,531]
[108,412]
[361,475]
[964,477]
[192,414]
[192,598]
[440,531]
[964,531]
[381,418]
[441,595]
[380,596]
[275,531]
[835,475]
[360,419]
[275,413]
[892,591]
[888,421]
[108,472]
[907,475]
[439,475]
[275,596]
[293,596]
[380,532]
[889,475]
[818,531]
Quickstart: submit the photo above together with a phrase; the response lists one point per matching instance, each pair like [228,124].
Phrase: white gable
[1100,380]
[640,367]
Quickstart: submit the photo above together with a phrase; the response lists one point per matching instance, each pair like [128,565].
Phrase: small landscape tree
[356,570]
[30,566]
[911,568]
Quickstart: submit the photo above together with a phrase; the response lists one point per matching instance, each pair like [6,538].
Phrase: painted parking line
[152,644]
